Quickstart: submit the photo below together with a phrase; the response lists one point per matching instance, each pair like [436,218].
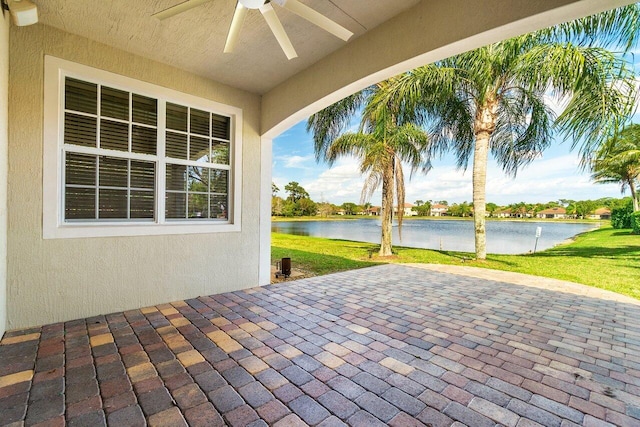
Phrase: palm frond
[371,183]
[357,144]
[599,85]
[618,159]
[616,28]
[410,144]
[327,124]
[523,129]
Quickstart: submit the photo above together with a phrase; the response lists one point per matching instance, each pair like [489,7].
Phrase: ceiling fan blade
[179,8]
[278,30]
[234,30]
[316,18]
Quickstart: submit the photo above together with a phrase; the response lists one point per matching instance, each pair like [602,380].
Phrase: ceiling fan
[269,14]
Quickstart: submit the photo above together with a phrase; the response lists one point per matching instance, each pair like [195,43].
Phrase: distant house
[503,213]
[600,213]
[373,211]
[439,210]
[341,212]
[407,211]
[553,213]
[522,213]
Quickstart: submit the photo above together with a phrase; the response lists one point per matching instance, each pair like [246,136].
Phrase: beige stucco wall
[60,279]
[4,88]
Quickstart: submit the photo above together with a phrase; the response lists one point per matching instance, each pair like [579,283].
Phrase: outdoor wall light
[23,12]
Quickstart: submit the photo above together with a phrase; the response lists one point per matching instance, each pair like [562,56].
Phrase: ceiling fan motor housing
[252,4]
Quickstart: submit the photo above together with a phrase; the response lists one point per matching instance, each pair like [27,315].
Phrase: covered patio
[393,344]
[135,169]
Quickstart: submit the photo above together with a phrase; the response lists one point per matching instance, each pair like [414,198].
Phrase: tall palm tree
[495,99]
[618,161]
[380,144]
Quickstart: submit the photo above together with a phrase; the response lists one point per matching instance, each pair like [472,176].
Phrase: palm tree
[380,144]
[618,161]
[494,99]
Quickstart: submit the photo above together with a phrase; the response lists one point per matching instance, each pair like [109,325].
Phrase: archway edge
[430,31]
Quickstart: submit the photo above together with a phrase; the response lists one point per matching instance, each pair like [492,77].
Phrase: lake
[503,237]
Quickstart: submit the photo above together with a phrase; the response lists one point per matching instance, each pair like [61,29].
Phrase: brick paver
[395,345]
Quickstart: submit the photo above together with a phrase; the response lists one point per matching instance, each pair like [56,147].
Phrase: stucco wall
[4,87]
[60,279]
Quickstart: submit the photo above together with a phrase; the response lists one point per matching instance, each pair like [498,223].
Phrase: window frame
[54,226]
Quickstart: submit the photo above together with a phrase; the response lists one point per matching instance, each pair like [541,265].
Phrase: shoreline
[596,222]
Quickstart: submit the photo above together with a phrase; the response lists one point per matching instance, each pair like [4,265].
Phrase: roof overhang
[390,37]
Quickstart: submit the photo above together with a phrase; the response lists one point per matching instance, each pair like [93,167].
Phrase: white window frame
[54,227]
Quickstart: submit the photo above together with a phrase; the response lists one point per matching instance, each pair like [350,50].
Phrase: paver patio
[396,345]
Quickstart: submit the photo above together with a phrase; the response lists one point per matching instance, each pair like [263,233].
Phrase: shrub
[621,216]
[635,222]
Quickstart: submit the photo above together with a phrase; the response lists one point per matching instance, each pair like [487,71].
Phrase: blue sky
[556,175]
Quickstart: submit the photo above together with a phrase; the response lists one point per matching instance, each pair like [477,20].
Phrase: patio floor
[396,345]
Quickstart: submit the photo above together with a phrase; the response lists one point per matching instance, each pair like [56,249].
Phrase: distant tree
[289,208]
[349,208]
[277,204]
[618,203]
[274,189]
[460,209]
[580,209]
[419,202]
[491,208]
[307,207]
[538,207]
[325,209]
[296,192]
[423,209]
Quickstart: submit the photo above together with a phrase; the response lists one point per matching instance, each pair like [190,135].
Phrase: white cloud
[300,162]
[339,184]
[544,180]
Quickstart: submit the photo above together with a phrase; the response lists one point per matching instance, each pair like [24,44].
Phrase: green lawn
[604,258]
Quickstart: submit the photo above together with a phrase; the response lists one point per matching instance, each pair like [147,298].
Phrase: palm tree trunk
[484,126]
[399,178]
[634,196]
[387,209]
[480,157]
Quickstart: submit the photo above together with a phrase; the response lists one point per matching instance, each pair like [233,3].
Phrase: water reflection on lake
[503,237]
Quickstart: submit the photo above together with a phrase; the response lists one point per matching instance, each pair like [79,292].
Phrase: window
[195,191]
[133,158]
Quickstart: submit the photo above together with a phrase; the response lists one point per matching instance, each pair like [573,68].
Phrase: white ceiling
[194,40]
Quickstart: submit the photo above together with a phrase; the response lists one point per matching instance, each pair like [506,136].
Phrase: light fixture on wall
[23,12]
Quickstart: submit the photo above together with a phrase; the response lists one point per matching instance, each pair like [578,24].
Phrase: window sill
[72,231]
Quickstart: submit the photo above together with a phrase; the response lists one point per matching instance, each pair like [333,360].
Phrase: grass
[604,258]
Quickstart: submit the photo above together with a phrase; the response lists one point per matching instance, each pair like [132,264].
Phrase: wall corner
[264,275]
[4,163]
